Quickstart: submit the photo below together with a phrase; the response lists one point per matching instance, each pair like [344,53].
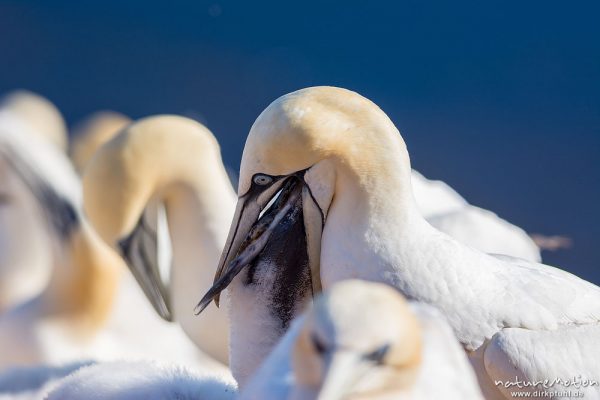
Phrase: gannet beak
[342,371]
[250,230]
[140,251]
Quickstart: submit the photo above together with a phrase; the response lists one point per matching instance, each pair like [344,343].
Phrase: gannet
[141,380]
[41,117]
[363,340]
[449,212]
[174,162]
[89,308]
[91,133]
[361,221]
[61,321]
[25,249]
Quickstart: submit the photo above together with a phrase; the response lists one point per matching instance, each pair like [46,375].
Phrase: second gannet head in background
[173,162]
[359,340]
[91,133]
[41,116]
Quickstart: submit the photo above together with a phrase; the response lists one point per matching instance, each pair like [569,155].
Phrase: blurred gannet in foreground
[176,162]
[141,380]
[62,320]
[363,340]
[91,133]
[39,114]
[360,219]
[25,249]
[34,382]
[88,309]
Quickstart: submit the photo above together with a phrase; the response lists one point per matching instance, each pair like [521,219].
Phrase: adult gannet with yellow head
[174,162]
[353,170]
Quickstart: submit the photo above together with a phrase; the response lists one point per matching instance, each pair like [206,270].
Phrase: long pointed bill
[140,251]
[255,233]
[246,214]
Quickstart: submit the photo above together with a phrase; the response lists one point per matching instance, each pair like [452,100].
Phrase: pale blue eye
[262,180]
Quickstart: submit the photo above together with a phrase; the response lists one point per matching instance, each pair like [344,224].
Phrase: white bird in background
[40,116]
[448,212]
[363,340]
[88,310]
[175,162]
[91,133]
[141,380]
[352,168]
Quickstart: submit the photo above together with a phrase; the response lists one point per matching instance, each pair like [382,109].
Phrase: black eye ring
[262,179]
[378,355]
[318,344]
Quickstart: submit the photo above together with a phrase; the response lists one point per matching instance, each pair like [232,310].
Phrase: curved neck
[198,225]
[84,280]
[372,216]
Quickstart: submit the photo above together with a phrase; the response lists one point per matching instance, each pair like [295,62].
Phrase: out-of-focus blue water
[499,99]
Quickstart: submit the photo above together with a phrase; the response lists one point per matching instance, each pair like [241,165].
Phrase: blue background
[499,99]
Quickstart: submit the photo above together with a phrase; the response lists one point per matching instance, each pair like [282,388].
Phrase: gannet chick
[271,290]
[364,223]
[141,380]
[39,114]
[91,133]
[362,340]
[175,163]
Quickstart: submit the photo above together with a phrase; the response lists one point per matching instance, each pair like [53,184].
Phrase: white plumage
[448,212]
[353,319]
[141,381]
[373,229]
[88,309]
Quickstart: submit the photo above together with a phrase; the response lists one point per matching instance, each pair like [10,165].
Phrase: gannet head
[334,144]
[90,134]
[156,159]
[358,340]
[42,117]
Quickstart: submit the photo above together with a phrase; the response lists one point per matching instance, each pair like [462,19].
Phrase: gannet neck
[84,282]
[176,162]
[198,233]
[148,160]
